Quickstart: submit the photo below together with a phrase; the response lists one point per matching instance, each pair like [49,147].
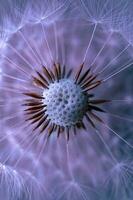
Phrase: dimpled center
[65,103]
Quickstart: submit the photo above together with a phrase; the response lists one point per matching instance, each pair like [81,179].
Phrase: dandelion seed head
[37,101]
[66,103]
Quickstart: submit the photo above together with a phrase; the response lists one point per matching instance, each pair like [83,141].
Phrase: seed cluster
[66,103]
[64,100]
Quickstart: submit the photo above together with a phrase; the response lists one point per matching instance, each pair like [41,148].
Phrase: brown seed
[79,72]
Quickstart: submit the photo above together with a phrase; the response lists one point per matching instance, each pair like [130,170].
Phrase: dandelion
[66,97]
[64,102]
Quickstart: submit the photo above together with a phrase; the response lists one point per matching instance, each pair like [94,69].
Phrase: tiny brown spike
[64,71]
[32,111]
[79,72]
[92,86]
[41,113]
[41,122]
[58,131]
[47,74]
[95,117]
[96,108]
[39,83]
[84,76]
[33,95]
[31,104]
[51,129]
[99,101]
[36,119]
[86,80]
[43,79]
[89,120]
[69,73]
[59,70]
[89,81]
[67,133]
[56,73]
[38,107]
[45,126]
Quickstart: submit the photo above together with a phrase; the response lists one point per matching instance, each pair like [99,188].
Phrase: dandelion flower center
[66,103]
[64,100]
